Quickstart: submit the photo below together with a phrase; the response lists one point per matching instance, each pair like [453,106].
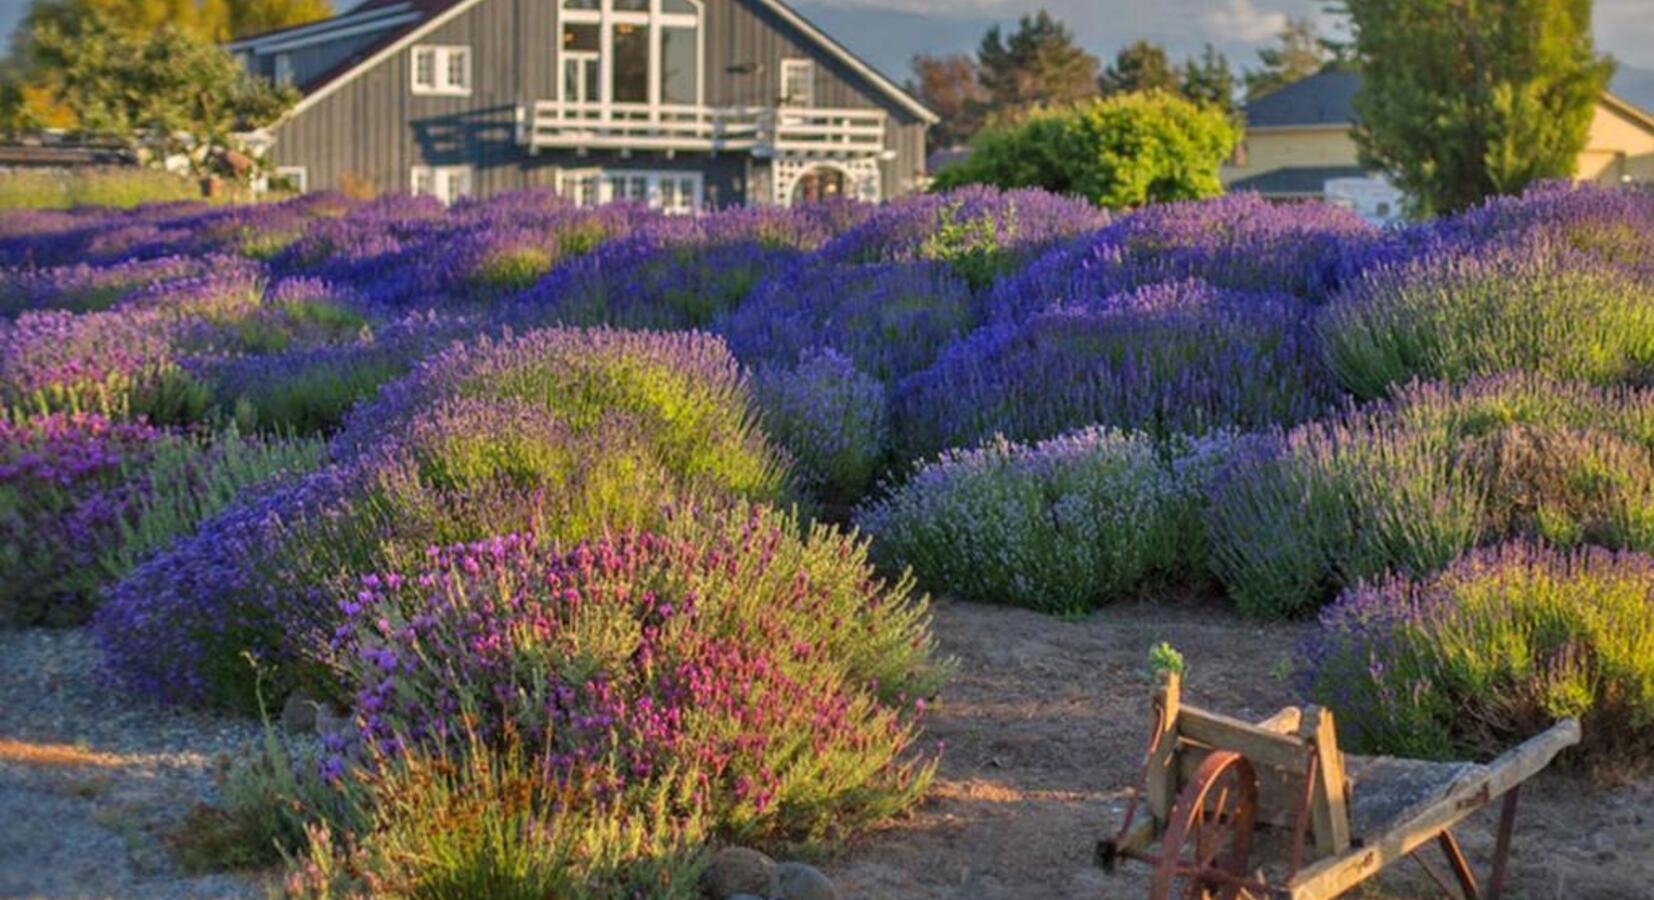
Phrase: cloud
[1242,21]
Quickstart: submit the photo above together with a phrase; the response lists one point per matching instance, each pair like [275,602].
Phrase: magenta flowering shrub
[890,319]
[1240,241]
[1493,649]
[120,363]
[771,677]
[1411,483]
[1607,223]
[1168,358]
[87,288]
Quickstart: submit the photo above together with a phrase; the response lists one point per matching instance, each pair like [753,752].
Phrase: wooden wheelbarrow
[1210,782]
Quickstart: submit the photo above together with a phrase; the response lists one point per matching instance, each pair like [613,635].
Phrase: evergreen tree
[1461,100]
[1141,66]
[1299,54]
[1208,79]
[1037,63]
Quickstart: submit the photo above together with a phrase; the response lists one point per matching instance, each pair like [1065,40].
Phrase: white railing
[763,131]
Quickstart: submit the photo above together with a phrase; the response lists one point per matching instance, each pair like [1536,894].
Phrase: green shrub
[1493,650]
[1120,152]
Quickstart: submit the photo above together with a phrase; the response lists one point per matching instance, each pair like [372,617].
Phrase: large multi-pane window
[630,52]
[442,70]
[672,192]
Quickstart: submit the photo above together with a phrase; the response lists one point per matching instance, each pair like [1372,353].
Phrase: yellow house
[1298,146]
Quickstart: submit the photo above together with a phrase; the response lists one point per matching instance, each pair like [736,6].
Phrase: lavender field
[613,534]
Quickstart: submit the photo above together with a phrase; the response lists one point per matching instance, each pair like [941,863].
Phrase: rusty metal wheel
[1203,855]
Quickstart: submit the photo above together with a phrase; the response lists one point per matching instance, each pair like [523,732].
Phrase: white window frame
[298,176]
[441,84]
[447,183]
[789,67]
[605,17]
[598,186]
[283,69]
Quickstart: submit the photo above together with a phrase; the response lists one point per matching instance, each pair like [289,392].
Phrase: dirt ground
[1045,724]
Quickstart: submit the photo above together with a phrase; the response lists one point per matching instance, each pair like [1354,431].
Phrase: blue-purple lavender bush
[890,319]
[1482,310]
[979,232]
[83,498]
[1501,644]
[1059,526]
[831,418]
[1240,241]
[1169,358]
[1409,484]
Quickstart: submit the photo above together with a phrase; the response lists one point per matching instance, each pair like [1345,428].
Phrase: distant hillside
[1636,85]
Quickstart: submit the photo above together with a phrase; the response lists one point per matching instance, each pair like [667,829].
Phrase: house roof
[1327,98]
[1296,181]
[424,16]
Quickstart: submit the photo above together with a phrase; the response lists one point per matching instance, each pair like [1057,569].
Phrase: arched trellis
[862,178]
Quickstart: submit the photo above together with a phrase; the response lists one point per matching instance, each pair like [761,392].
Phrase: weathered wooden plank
[1261,746]
[1333,876]
[1161,780]
[1329,797]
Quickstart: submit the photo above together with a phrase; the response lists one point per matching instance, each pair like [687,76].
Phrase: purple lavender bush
[1493,649]
[831,418]
[980,232]
[83,498]
[1239,241]
[1409,484]
[1059,526]
[1169,358]
[1453,315]
[890,319]
[565,434]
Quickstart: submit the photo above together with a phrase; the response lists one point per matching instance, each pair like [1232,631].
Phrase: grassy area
[113,187]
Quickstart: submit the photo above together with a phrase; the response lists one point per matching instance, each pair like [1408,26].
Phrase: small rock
[798,881]
[738,870]
[298,714]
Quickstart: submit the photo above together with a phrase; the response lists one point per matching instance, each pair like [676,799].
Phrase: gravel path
[92,780]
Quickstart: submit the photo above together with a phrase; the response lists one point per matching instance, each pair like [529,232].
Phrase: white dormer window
[442,70]
[798,82]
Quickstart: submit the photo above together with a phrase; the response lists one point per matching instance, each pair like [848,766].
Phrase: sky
[888,32]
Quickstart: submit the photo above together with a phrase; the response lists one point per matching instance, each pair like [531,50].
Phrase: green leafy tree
[949,87]
[1140,66]
[1121,152]
[167,93]
[1037,63]
[1208,79]
[1462,99]
[1299,53]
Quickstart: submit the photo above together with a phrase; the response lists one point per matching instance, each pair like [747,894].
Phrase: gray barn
[683,104]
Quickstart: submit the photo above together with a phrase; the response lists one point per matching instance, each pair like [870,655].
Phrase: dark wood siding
[373,129]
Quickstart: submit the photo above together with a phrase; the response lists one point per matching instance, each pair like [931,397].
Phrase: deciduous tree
[949,86]
[1121,151]
[1461,99]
